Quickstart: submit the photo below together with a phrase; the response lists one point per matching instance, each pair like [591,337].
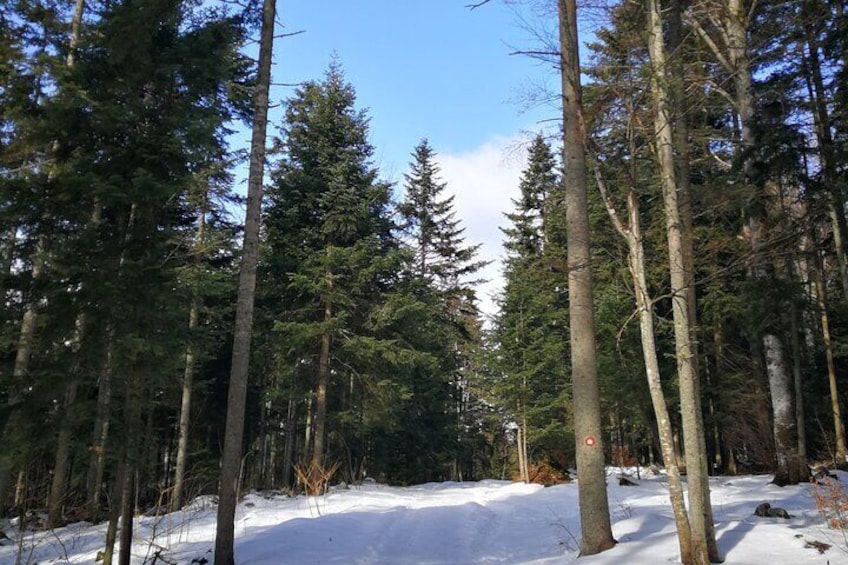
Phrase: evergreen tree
[331,255]
[432,229]
[531,328]
[446,265]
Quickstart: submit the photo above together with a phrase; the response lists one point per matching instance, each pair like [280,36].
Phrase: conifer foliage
[531,330]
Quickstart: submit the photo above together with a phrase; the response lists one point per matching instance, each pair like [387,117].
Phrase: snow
[459,523]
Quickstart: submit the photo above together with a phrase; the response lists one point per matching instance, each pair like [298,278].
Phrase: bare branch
[702,33]
[537,53]
[292,34]
[619,226]
[477,4]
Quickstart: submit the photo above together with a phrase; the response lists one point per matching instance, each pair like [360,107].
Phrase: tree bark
[322,376]
[230,464]
[594,506]
[188,373]
[97,464]
[291,440]
[8,259]
[30,317]
[797,378]
[115,505]
[737,46]
[632,234]
[100,435]
[704,548]
[821,299]
[63,447]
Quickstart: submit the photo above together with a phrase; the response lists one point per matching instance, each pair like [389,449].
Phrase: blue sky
[423,68]
[434,69]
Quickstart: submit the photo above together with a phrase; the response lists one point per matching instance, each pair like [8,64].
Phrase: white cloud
[485,181]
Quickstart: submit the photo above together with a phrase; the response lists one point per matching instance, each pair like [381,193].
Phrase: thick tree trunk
[29,320]
[788,467]
[230,464]
[115,506]
[127,506]
[704,548]
[737,46]
[594,506]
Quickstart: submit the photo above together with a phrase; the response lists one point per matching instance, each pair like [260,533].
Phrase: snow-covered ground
[459,523]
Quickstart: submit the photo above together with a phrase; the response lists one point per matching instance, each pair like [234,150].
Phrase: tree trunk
[704,548]
[788,467]
[127,506]
[680,135]
[521,445]
[322,376]
[291,439]
[821,299]
[8,259]
[797,377]
[594,506]
[30,317]
[188,373]
[632,234]
[185,411]
[129,461]
[821,119]
[737,46]
[63,447]
[100,435]
[115,506]
[230,464]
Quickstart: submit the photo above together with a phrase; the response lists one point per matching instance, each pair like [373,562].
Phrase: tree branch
[696,25]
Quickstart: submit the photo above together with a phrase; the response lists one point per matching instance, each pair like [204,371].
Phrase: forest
[676,277]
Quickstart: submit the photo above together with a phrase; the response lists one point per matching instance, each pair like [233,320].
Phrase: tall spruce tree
[531,330]
[432,229]
[442,260]
[331,249]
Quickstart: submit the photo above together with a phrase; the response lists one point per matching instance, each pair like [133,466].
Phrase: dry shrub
[621,456]
[545,474]
[832,502]
[316,478]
